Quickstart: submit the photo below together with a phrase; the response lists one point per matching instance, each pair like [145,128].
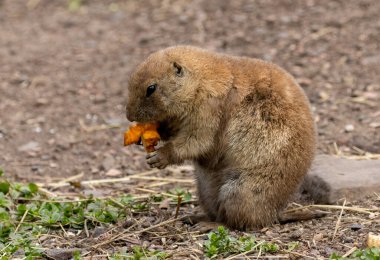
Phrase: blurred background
[64,67]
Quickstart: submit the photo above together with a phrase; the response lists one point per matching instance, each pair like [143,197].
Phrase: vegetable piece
[146,132]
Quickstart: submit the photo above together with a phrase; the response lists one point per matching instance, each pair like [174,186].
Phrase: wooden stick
[101,181]
[338,221]
[159,225]
[349,252]
[178,206]
[22,220]
[361,210]
[162,179]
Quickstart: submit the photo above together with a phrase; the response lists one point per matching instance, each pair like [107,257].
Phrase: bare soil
[63,76]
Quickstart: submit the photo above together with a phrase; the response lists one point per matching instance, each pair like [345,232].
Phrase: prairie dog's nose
[129,115]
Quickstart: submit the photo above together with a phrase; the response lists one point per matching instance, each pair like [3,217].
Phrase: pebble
[318,237]
[349,128]
[108,163]
[98,231]
[113,173]
[348,240]
[296,234]
[356,227]
[32,146]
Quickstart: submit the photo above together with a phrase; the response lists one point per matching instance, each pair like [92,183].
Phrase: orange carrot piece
[147,132]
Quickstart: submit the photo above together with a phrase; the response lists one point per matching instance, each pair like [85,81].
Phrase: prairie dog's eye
[178,69]
[150,90]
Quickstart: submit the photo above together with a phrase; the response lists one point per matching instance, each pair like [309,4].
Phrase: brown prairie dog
[244,123]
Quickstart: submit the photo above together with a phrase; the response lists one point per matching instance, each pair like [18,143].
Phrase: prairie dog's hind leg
[244,203]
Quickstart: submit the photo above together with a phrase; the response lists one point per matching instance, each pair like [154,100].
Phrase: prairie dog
[244,123]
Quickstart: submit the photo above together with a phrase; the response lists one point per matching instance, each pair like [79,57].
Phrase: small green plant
[220,243]
[361,254]
[26,213]
[181,193]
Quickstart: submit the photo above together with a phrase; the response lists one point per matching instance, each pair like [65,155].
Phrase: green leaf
[4,215]
[1,172]
[4,187]
[33,187]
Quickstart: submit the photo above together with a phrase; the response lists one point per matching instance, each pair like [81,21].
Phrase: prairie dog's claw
[156,160]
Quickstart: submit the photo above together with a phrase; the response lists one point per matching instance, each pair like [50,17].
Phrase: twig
[101,181]
[356,209]
[162,179]
[337,150]
[157,184]
[96,127]
[338,221]
[73,178]
[63,229]
[117,235]
[299,254]
[349,252]
[155,192]
[21,221]
[85,228]
[159,225]
[178,206]
[47,193]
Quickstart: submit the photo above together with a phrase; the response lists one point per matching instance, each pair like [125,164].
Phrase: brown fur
[245,123]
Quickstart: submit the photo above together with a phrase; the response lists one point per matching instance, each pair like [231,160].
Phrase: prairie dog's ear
[178,69]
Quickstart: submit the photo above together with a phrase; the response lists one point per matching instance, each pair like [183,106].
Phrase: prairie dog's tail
[313,188]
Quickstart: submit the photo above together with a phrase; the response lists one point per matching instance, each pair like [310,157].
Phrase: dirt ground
[63,76]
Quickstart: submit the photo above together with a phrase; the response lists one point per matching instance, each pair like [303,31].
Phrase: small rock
[128,223]
[373,240]
[349,128]
[271,234]
[329,250]
[114,121]
[62,145]
[19,254]
[374,124]
[108,163]
[53,165]
[371,60]
[99,98]
[61,254]
[113,173]
[98,231]
[41,102]
[94,193]
[296,234]
[324,96]
[356,227]
[348,240]
[340,177]
[165,204]
[318,237]
[30,147]
[94,170]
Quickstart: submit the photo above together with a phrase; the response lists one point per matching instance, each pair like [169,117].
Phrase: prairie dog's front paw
[157,160]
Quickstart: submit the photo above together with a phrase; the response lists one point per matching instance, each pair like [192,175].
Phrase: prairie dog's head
[168,83]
